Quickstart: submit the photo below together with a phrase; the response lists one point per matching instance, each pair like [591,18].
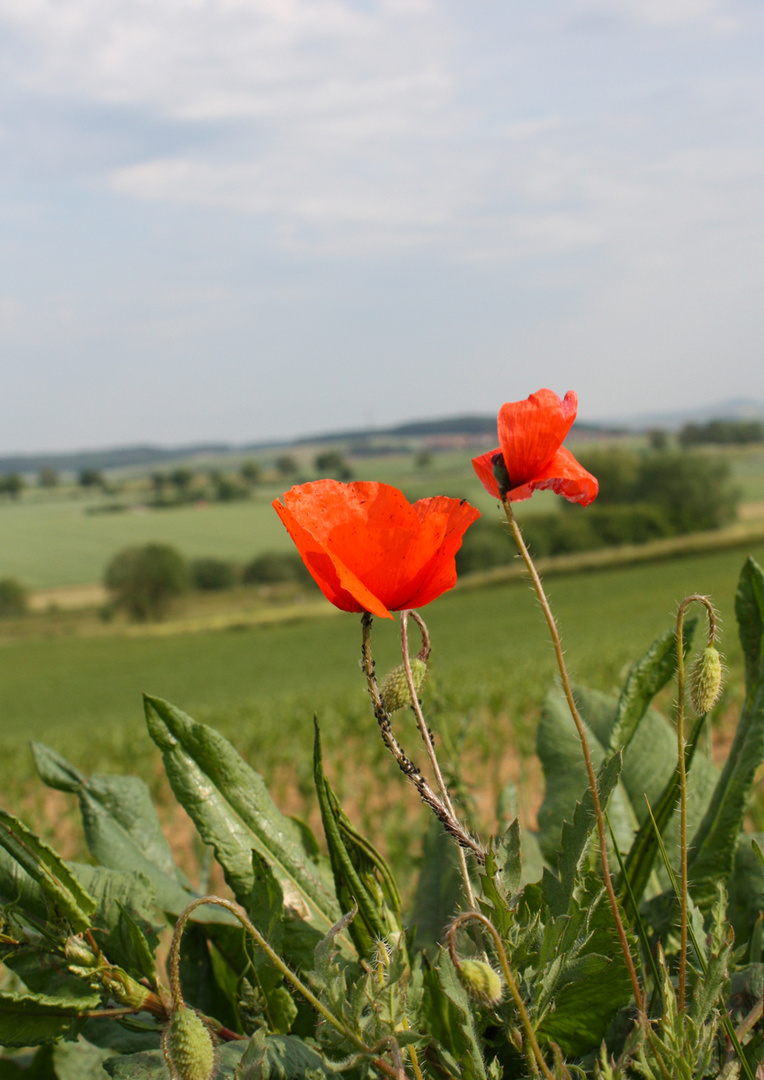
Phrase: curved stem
[683,872]
[526,556]
[173,965]
[426,734]
[536,1057]
[412,773]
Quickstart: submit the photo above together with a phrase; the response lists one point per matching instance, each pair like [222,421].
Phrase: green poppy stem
[424,731]
[555,634]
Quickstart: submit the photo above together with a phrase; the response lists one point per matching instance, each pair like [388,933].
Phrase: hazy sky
[246,219]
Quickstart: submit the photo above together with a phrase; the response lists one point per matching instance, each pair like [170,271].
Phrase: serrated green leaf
[32,1019]
[643,853]
[648,768]
[62,889]
[438,889]
[234,813]
[559,888]
[79,1061]
[150,1064]
[713,844]
[449,1018]
[122,829]
[281,1057]
[361,875]
[646,678]
[749,611]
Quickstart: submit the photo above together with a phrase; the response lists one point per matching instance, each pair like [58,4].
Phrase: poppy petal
[563,475]
[369,549]
[483,466]
[531,432]
[439,573]
[335,580]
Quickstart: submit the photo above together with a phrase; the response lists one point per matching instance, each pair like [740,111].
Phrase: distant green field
[492,665]
[47,540]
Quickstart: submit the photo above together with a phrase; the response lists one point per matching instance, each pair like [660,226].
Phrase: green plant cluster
[315,971]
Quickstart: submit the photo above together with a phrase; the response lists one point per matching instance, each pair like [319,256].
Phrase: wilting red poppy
[369,549]
[531,457]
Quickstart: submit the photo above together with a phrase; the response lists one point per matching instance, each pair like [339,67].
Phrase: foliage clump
[145,580]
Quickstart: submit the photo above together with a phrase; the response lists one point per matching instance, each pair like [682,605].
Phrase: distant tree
[89,478]
[228,488]
[48,477]
[210,574]
[658,439]
[182,478]
[722,433]
[331,463]
[12,484]
[145,580]
[286,465]
[273,567]
[250,472]
[13,598]
[423,459]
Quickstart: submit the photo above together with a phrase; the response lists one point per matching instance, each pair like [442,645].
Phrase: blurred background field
[258,660]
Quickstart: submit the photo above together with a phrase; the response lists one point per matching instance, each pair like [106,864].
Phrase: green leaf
[749,610]
[32,1019]
[559,889]
[234,812]
[281,1057]
[79,1061]
[121,827]
[150,1064]
[361,875]
[64,892]
[646,678]
[649,765]
[438,888]
[116,892]
[642,855]
[714,842]
[449,1019]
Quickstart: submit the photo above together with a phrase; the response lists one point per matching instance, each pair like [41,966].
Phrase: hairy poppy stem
[412,773]
[683,871]
[426,734]
[555,634]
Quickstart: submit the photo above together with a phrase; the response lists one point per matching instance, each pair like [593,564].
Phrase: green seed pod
[480,981]
[394,689]
[188,1047]
[706,680]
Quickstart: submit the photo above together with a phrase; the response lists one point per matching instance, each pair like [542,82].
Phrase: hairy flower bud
[706,680]
[394,688]
[480,981]
[188,1047]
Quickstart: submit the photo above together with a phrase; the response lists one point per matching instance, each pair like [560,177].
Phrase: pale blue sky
[252,219]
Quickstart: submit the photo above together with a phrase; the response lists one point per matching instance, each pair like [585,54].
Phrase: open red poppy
[531,457]
[369,549]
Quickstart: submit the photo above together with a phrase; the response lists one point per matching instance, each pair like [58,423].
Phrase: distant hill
[470,427]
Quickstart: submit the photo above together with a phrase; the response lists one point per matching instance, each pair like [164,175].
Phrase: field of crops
[492,665]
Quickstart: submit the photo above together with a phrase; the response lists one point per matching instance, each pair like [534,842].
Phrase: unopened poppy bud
[188,1047]
[480,981]
[501,474]
[706,680]
[394,689]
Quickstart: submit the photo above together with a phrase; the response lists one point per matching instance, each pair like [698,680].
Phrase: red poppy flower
[369,549]
[531,456]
